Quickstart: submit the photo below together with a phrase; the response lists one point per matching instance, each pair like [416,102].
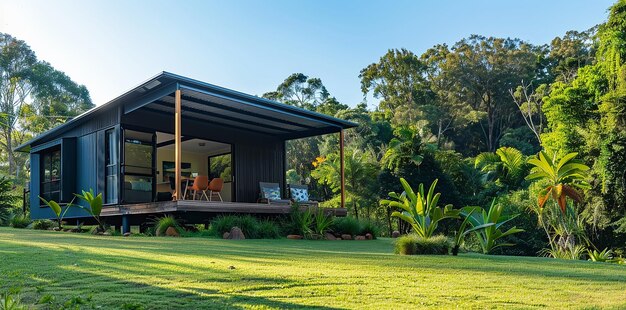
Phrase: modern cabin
[144,144]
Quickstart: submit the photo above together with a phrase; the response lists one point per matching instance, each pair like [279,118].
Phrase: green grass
[190,273]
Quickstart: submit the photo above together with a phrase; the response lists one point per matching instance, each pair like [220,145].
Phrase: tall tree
[483,70]
[34,96]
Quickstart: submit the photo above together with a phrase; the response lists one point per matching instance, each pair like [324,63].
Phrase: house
[152,138]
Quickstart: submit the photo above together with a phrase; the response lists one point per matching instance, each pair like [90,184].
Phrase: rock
[231,267]
[106,233]
[346,237]
[316,237]
[395,234]
[369,236]
[360,238]
[127,234]
[295,237]
[226,235]
[236,234]
[172,232]
[329,236]
[56,229]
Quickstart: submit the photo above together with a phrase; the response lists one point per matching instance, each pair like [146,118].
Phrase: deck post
[125,224]
[177,144]
[341,163]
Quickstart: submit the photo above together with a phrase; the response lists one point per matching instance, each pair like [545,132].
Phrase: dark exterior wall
[82,160]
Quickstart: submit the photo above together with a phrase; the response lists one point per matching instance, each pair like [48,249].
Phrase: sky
[251,46]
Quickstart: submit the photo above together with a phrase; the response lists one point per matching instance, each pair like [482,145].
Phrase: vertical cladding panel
[36,212]
[256,163]
[86,176]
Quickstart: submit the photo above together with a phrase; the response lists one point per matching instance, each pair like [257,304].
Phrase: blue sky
[251,46]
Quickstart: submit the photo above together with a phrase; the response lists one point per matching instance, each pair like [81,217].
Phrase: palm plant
[95,206]
[406,148]
[57,209]
[488,235]
[562,176]
[506,166]
[420,209]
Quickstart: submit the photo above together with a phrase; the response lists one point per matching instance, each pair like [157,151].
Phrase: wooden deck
[208,207]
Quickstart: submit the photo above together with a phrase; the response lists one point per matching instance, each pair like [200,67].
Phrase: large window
[220,167]
[51,174]
[111,162]
[138,166]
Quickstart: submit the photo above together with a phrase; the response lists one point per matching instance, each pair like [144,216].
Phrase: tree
[361,171]
[301,91]
[506,167]
[398,79]
[34,96]
[482,70]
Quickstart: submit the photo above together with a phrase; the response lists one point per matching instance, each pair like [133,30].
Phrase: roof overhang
[210,103]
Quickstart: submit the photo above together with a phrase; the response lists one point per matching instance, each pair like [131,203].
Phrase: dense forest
[470,115]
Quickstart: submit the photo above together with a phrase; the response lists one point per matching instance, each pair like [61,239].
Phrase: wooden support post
[342,168]
[177,142]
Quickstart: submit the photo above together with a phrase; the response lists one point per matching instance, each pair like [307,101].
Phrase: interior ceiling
[194,145]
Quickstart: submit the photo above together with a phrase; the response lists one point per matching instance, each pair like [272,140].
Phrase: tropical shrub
[488,235]
[368,226]
[95,203]
[249,225]
[20,221]
[322,223]
[605,255]
[301,221]
[506,167]
[346,225]
[460,234]
[42,224]
[57,209]
[268,229]
[420,210]
[414,244]
[163,223]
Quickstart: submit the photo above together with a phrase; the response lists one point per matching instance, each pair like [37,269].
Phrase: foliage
[42,224]
[323,222]
[346,225]
[460,234]
[95,206]
[506,167]
[563,176]
[20,221]
[420,210]
[11,302]
[368,226]
[413,244]
[488,235]
[57,209]
[360,169]
[574,252]
[163,223]
[249,225]
[602,256]
[7,199]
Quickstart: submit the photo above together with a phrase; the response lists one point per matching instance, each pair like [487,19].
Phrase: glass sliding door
[111,166]
[138,167]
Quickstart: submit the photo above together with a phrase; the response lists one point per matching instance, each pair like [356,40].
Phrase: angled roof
[207,102]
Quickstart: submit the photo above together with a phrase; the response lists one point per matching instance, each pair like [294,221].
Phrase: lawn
[190,273]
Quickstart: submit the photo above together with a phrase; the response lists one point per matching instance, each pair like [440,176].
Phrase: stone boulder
[236,234]
[172,232]
[395,234]
[294,237]
[360,238]
[329,236]
[127,234]
[369,236]
[346,237]
[226,235]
